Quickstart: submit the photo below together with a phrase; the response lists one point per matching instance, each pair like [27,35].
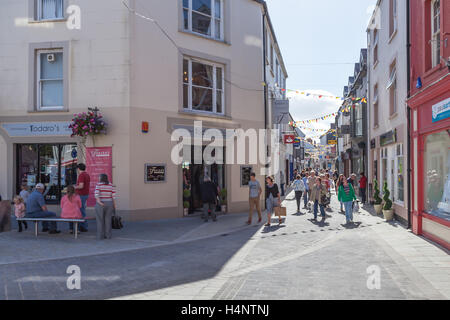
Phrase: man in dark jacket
[209,196]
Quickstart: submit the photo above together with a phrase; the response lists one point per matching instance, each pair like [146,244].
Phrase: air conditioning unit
[51,57]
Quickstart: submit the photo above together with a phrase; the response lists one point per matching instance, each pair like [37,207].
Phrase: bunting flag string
[320,96]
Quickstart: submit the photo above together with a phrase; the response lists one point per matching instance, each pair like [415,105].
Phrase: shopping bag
[355,207]
[280,211]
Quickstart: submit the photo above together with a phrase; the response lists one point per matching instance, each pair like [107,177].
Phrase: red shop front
[430,163]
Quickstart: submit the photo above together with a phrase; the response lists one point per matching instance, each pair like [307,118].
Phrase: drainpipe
[264,66]
[408,58]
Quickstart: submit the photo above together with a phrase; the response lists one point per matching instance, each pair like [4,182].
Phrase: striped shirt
[105,191]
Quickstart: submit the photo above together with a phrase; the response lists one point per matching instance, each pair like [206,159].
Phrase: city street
[188,259]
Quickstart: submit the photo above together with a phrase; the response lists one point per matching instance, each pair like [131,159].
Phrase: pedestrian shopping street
[189,259]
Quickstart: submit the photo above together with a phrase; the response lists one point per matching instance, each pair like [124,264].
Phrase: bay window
[203,86]
[204,17]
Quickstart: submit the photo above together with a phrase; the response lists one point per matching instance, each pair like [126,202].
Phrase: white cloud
[304,107]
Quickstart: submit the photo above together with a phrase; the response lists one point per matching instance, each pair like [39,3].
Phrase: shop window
[204,17]
[437,174]
[54,165]
[203,86]
[50,79]
[436,32]
[400,191]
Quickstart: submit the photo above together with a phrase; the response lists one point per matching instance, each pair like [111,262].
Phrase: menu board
[98,161]
[245,175]
[155,173]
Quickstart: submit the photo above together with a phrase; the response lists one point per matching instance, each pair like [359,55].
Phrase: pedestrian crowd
[314,188]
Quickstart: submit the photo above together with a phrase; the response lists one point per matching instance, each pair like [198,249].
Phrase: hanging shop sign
[37,129]
[98,161]
[155,173]
[246,171]
[289,139]
[388,138]
[441,110]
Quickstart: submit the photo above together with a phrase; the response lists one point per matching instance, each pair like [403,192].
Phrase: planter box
[378,208]
[388,215]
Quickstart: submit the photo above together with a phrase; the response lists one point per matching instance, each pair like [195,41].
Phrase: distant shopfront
[431,168]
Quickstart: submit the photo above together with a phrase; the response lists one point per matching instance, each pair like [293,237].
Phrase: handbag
[356,207]
[116,222]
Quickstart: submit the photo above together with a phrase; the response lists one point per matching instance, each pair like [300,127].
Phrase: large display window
[54,165]
[437,174]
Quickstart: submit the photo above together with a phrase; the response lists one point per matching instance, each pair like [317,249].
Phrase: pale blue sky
[319,32]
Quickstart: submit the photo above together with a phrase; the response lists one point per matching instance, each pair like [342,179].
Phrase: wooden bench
[37,220]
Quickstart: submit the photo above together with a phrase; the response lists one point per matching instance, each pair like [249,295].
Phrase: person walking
[254,195]
[209,195]
[299,187]
[318,197]
[36,208]
[273,199]
[82,188]
[362,187]
[105,196]
[347,196]
[305,194]
[311,184]
[339,182]
[71,206]
[19,211]
[282,182]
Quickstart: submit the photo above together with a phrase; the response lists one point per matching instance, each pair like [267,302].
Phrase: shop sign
[155,173]
[37,129]
[441,110]
[246,171]
[388,138]
[297,143]
[289,138]
[98,161]
[372,144]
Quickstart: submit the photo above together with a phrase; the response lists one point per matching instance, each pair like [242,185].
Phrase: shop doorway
[193,176]
[53,165]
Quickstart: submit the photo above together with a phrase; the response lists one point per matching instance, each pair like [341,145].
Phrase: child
[19,211]
[24,194]
[71,206]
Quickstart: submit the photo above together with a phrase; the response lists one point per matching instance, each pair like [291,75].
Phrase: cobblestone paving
[298,260]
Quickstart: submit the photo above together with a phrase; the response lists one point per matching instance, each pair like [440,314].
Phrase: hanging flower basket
[88,124]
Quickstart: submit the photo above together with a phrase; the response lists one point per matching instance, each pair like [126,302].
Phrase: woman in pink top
[71,206]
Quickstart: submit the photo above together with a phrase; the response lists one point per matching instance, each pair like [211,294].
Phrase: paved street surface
[189,259]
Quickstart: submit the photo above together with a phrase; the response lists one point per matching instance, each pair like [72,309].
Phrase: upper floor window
[393,22]
[50,9]
[203,86]
[392,88]
[271,56]
[50,79]
[375,106]
[436,31]
[204,17]
[375,46]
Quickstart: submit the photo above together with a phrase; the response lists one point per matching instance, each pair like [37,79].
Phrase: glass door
[49,166]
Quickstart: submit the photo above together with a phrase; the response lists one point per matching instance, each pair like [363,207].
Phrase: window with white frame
[392,88]
[277,72]
[399,186]
[49,9]
[436,31]
[271,56]
[204,17]
[203,86]
[50,79]
[375,106]
[375,46]
[392,17]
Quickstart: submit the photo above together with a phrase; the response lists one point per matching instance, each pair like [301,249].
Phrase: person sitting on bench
[36,208]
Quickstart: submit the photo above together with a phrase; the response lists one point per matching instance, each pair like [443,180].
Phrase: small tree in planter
[378,201]
[186,203]
[186,206]
[223,200]
[387,208]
